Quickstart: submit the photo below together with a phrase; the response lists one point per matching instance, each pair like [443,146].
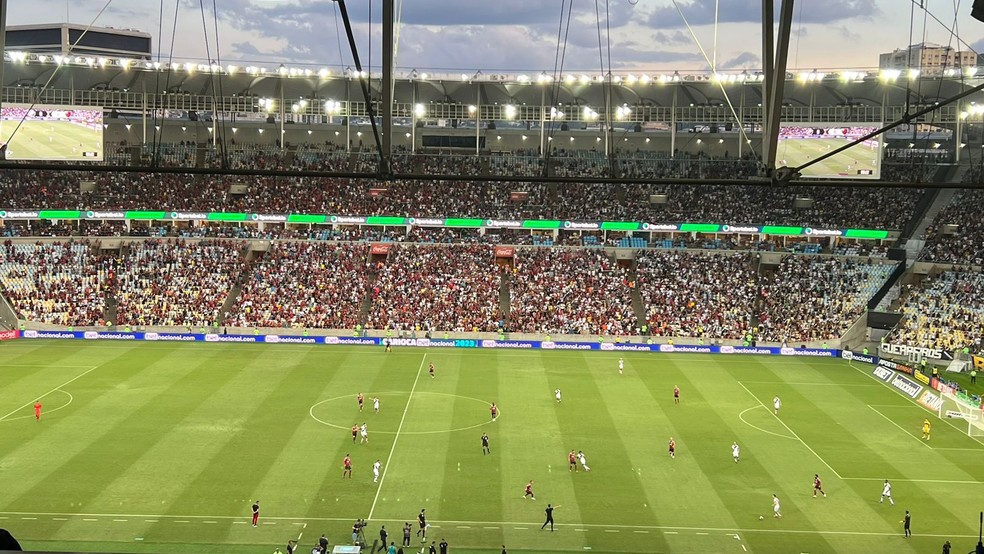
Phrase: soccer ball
[761,518]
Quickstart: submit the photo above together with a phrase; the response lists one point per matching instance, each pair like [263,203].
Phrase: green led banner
[451,222]
[60,214]
[541,224]
[306,218]
[782,230]
[699,228]
[865,234]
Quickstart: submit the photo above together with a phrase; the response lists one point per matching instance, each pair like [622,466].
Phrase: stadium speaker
[192,115]
[271,119]
[977,11]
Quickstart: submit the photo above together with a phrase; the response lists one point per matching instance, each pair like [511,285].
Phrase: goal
[961,407]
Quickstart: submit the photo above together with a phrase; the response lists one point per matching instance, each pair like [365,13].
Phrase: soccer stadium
[282,308]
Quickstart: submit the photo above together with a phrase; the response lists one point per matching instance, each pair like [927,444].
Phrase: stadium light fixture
[549,139]
[913,74]
[419,110]
[472,108]
[589,114]
[282,70]
[524,137]
[59,59]
[963,145]
[556,114]
[18,56]
[543,78]
[336,133]
[408,135]
[569,79]
[623,112]
[464,78]
[572,139]
[295,107]
[971,71]
[597,139]
[358,133]
[699,141]
[630,79]
[310,131]
[124,63]
[645,79]
[912,145]
[234,129]
[184,129]
[324,73]
[647,140]
[423,76]
[498,137]
[720,141]
[936,145]
[510,111]
[585,79]
[128,126]
[260,130]
[525,79]
[890,75]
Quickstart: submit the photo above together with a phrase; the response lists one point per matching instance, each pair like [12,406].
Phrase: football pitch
[51,140]
[164,447]
[795,152]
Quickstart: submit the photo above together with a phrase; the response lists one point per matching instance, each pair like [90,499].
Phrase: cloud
[701,12]
[745,60]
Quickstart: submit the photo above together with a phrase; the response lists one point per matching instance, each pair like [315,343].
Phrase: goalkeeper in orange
[926,428]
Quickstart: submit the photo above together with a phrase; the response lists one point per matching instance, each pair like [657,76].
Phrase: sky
[523,35]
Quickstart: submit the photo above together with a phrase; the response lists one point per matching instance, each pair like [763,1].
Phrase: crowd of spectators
[833,207]
[963,243]
[945,311]
[304,284]
[56,283]
[425,287]
[696,294]
[565,290]
[816,298]
[177,282]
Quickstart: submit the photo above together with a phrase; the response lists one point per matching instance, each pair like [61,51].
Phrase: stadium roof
[810,88]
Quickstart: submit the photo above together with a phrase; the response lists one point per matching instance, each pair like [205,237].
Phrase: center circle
[331,411]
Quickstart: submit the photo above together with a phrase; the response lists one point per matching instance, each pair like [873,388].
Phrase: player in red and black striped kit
[256,512]
[818,486]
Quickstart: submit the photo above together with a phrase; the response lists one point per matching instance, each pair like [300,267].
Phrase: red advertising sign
[380,249]
[9,335]
[376,192]
[505,252]
[518,196]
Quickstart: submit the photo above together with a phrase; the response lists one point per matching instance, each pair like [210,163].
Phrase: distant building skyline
[927,56]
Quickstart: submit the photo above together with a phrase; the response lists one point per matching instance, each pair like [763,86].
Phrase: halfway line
[406,409]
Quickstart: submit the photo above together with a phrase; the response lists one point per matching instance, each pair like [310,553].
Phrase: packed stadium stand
[450,288]
[945,312]
[175,282]
[55,283]
[956,235]
[304,285]
[570,291]
[810,298]
[697,294]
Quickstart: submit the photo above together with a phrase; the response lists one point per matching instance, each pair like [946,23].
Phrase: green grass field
[51,140]
[161,448]
[845,164]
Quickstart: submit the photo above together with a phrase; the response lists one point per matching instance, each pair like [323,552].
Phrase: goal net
[959,406]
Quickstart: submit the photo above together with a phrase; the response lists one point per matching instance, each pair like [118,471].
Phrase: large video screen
[48,132]
[801,142]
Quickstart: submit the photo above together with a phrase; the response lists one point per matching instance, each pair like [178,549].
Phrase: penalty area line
[70,381]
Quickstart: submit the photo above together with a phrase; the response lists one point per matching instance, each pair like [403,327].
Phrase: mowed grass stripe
[191,440]
[821,440]
[372,372]
[612,420]
[745,489]
[276,387]
[814,423]
[479,476]
[105,434]
[533,447]
[641,404]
